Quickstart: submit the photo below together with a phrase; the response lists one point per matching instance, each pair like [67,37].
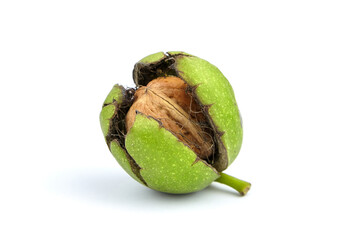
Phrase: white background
[294,66]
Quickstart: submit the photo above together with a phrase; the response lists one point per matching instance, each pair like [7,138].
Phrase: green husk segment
[223,108]
[113,99]
[167,165]
[153,57]
[106,115]
[115,95]
[122,158]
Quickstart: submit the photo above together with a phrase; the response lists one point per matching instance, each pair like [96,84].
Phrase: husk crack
[117,130]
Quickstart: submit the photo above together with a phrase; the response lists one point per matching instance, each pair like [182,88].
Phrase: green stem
[241,186]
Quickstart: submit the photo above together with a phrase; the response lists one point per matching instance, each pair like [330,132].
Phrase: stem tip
[239,185]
